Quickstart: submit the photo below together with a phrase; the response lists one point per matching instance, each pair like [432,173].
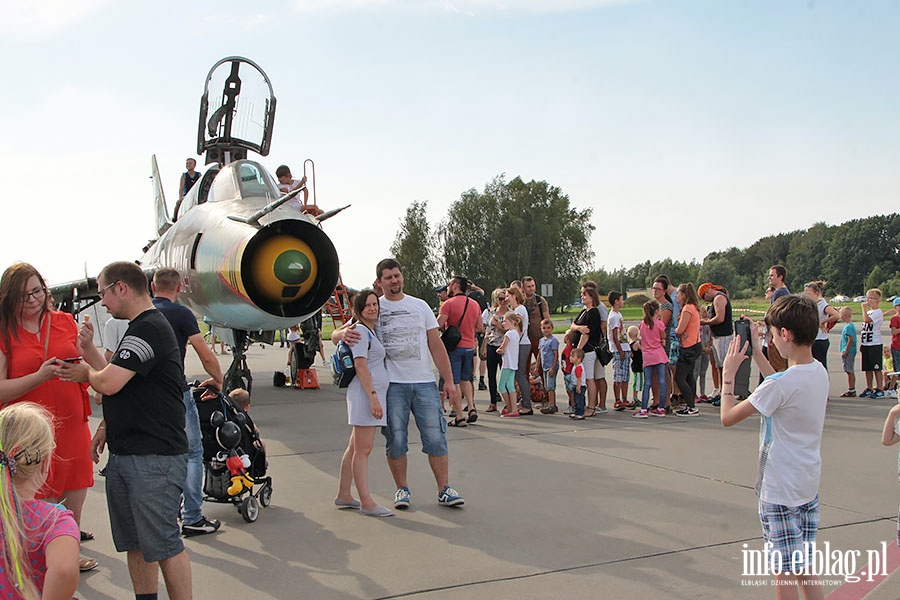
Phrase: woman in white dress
[366,410]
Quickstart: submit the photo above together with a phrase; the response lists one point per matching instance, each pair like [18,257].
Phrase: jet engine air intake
[289,268]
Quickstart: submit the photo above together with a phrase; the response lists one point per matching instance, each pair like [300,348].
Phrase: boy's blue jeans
[579,400]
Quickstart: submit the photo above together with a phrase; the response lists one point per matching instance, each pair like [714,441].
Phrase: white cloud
[36,19]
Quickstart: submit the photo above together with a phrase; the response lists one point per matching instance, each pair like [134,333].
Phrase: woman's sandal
[473,416]
[86,536]
[461,422]
[491,408]
[590,412]
[87,564]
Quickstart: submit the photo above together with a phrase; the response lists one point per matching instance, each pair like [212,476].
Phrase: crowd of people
[151,427]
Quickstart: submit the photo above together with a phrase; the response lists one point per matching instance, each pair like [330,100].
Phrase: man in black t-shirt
[144,427]
[166,285]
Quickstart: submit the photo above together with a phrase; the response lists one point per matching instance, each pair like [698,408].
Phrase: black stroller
[234,458]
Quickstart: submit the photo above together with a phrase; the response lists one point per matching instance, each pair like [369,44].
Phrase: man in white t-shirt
[792,405]
[408,330]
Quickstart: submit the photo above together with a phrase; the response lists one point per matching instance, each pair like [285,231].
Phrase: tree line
[515,228]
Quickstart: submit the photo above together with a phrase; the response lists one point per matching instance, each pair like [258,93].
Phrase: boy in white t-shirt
[615,335]
[870,345]
[792,406]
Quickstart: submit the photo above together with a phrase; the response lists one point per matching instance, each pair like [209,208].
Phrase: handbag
[452,336]
[603,353]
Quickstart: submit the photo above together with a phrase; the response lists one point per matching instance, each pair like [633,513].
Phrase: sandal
[87,564]
[525,412]
[590,412]
[491,408]
[86,536]
[473,416]
[461,422]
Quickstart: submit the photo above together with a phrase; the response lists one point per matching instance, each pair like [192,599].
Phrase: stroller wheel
[249,509]
[265,495]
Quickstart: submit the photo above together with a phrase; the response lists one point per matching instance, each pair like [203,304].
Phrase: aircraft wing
[69,295]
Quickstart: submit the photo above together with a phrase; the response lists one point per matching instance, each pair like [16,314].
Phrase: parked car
[859,299]
[840,298]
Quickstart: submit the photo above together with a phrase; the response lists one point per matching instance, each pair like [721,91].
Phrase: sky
[687,126]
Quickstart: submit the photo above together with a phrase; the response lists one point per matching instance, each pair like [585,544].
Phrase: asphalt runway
[608,507]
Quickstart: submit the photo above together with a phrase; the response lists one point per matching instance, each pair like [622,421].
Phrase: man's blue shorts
[424,402]
[461,361]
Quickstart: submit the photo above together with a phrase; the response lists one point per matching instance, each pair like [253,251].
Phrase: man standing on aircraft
[409,332]
[188,179]
[166,286]
[144,414]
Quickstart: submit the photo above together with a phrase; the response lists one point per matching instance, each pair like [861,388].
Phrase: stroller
[234,458]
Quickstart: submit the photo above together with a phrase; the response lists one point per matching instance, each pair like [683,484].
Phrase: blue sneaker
[450,497]
[866,394]
[401,498]
[877,394]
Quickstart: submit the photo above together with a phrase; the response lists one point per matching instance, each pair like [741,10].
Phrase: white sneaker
[891,393]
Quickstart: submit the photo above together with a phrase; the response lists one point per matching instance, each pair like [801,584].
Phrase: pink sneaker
[641,414]
[658,412]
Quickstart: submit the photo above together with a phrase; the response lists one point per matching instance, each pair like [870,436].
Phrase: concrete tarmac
[609,507]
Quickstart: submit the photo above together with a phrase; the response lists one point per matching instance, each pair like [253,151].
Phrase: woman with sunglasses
[32,339]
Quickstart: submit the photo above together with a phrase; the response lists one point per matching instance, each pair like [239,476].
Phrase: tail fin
[162,213]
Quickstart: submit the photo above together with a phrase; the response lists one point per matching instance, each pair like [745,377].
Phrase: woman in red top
[32,338]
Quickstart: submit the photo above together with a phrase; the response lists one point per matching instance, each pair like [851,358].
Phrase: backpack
[342,368]
[279,379]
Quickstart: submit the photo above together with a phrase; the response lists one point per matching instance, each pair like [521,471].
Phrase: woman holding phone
[32,339]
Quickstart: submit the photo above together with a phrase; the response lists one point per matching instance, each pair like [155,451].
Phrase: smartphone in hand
[742,330]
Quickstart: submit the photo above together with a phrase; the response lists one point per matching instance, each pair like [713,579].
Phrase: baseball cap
[439,289]
[897,301]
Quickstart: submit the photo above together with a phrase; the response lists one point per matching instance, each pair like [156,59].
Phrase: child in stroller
[234,457]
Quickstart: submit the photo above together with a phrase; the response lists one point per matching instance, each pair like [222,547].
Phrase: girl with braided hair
[40,540]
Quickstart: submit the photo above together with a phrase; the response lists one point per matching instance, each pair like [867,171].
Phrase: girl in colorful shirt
[653,339]
[41,539]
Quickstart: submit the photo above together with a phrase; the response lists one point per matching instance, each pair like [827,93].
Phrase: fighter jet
[252,260]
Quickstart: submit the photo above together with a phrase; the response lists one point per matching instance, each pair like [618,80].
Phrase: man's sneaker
[658,412]
[849,394]
[687,412]
[620,405]
[877,394]
[641,414]
[450,497]
[202,526]
[401,498]
[890,393]
[716,400]
[866,394]
[601,411]
[569,411]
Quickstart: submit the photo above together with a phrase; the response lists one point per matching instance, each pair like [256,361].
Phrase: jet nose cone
[284,269]
[292,267]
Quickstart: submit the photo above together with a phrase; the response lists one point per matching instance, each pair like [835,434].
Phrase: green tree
[518,228]
[719,271]
[807,256]
[414,249]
